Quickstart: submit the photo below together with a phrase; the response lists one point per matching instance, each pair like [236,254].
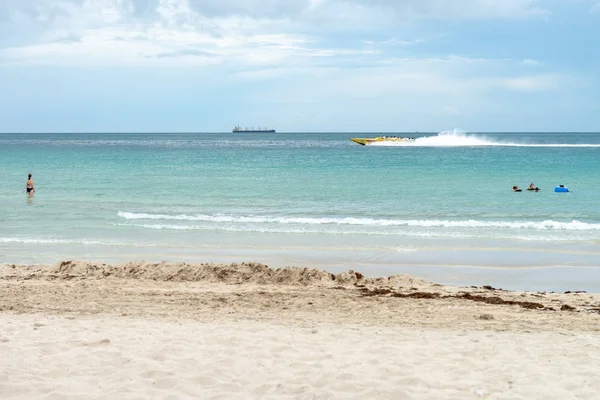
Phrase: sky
[299,65]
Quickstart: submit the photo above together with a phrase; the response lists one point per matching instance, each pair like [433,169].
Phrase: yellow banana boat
[380,139]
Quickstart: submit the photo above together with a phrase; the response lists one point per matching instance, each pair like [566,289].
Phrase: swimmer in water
[29,186]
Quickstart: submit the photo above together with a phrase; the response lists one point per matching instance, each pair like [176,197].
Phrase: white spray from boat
[458,138]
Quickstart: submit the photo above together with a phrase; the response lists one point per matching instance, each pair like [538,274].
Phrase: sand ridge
[255,291]
[213,273]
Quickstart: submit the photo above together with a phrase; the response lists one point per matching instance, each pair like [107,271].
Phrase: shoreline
[458,269]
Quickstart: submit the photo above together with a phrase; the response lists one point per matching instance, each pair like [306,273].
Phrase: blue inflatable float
[561,189]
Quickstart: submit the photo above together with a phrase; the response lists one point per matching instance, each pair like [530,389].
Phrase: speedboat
[382,139]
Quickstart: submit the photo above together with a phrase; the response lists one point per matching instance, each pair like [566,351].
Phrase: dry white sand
[140,330]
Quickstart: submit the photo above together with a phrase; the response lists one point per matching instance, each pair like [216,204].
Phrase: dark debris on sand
[365,292]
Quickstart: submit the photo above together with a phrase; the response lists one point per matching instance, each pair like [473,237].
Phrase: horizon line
[276,133]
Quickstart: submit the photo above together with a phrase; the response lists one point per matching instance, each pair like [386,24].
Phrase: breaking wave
[369,222]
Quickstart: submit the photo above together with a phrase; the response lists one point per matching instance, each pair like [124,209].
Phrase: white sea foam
[458,138]
[530,236]
[294,230]
[543,225]
[55,241]
[86,242]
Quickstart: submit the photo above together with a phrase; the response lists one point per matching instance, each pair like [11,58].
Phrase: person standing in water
[29,186]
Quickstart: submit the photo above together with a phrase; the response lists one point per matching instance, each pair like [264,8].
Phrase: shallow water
[303,199]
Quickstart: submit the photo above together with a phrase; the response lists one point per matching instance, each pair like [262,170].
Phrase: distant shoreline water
[310,199]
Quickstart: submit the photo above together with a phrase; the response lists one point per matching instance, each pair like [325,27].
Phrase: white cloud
[28,21]
[394,41]
[253,8]
[531,63]
[269,41]
[331,10]
[460,9]
[403,8]
[442,81]
[531,83]
[114,46]
[206,32]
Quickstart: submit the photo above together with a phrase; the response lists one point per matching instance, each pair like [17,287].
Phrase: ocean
[440,207]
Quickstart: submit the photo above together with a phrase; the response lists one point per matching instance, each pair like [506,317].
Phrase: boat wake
[458,138]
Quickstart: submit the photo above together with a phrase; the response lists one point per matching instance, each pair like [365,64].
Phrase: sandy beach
[246,331]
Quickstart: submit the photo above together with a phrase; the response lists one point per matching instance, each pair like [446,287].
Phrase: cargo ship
[239,129]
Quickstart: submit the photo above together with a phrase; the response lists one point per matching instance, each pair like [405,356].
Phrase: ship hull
[253,131]
[365,141]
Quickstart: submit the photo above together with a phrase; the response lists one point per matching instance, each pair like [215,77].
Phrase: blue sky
[299,65]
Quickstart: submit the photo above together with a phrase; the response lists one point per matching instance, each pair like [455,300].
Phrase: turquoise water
[444,200]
